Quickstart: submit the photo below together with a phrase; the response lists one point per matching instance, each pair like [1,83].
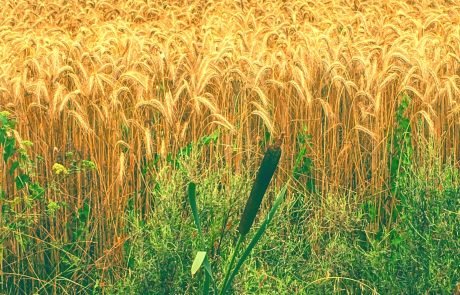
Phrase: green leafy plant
[26,213]
[28,191]
[20,198]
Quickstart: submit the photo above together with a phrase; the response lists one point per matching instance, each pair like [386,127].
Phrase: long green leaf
[207,283]
[232,261]
[191,191]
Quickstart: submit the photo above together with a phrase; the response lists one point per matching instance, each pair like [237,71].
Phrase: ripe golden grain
[143,78]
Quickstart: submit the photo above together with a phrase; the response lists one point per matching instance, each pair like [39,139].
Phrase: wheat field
[127,83]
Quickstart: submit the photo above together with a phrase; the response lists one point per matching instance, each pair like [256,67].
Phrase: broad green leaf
[9,148]
[199,258]
[14,166]
[22,180]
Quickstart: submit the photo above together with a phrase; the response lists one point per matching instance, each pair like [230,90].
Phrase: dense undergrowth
[316,246]
[319,242]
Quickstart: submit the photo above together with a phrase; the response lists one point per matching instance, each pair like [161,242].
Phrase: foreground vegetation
[318,244]
[110,110]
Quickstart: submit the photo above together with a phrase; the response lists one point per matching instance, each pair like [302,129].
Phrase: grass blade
[191,192]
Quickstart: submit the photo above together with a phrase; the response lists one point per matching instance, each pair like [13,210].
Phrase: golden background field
[118,82]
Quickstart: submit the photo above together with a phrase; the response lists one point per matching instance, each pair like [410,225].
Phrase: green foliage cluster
[26,214]
[15,219]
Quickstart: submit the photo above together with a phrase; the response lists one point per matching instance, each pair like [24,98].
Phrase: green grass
[314,246]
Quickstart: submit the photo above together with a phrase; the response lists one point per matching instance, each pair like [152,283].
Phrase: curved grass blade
[191,192]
